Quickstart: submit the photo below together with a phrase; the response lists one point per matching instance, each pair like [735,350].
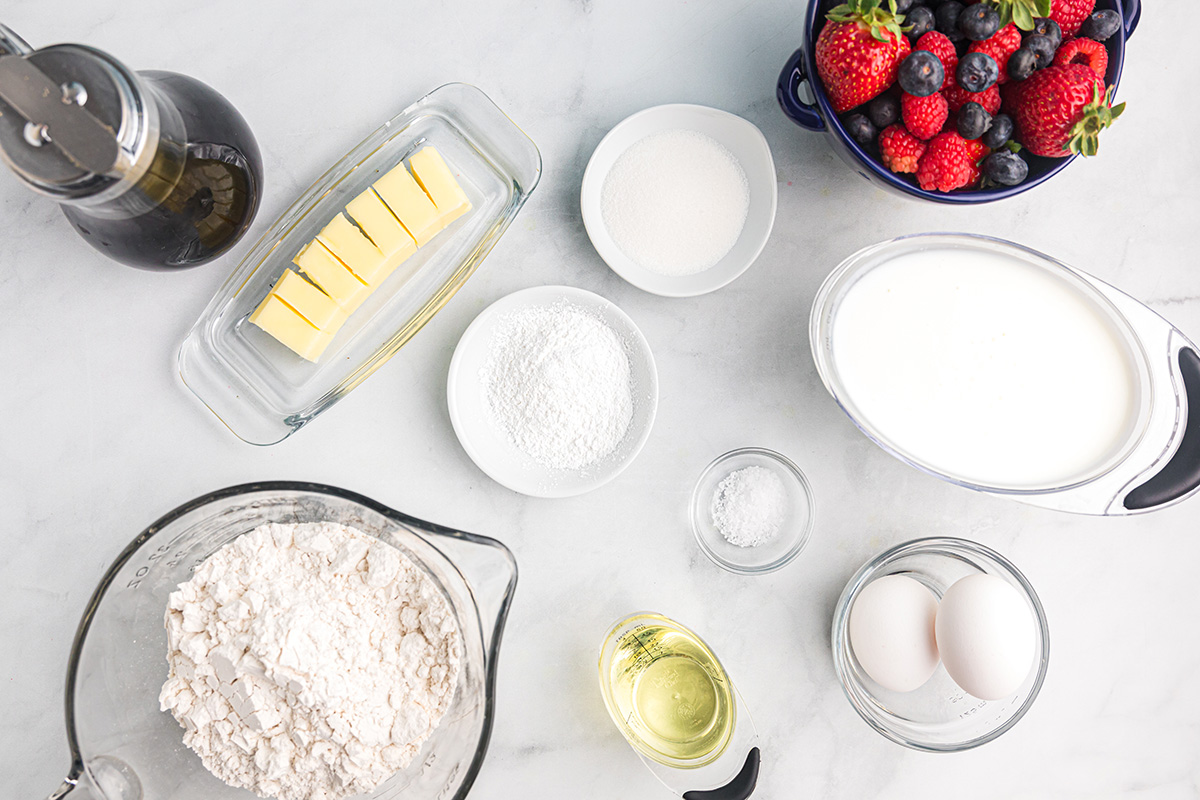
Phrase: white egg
[986,635]
[891,631]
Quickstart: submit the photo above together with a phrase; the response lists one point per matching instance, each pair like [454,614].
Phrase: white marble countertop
[100,438]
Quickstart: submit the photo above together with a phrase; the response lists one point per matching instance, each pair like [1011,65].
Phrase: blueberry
[1042,47]
[1101,25]
[947,19]
[860,129]
[973,120]
[919,21]
[1000,132]
[884,110]
[976,72]
[1021,64]
[1044,26]
[921,73]
[902,6]
[979,22]
[1005,168]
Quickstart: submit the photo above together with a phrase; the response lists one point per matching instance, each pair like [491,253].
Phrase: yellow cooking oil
[669,693]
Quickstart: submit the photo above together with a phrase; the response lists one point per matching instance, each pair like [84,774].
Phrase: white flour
[558,385]
[750,506]
[675,202]
[309,662]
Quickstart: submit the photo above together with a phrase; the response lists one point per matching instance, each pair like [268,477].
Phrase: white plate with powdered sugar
[552,391]
[678,169]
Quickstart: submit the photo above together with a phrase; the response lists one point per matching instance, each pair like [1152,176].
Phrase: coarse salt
[675,202]
[750,506]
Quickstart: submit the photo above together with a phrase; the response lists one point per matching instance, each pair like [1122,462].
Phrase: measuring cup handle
[1181,475]
[741,787]
[104,778]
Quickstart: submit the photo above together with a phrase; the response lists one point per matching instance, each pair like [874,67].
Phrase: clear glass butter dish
[263,391]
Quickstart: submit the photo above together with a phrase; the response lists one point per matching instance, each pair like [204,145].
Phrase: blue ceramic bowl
[819,115]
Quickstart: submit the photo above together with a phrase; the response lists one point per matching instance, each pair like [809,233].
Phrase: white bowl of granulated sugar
[552,391]
[679,200]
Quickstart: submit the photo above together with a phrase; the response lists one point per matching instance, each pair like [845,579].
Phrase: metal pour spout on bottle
[154,169]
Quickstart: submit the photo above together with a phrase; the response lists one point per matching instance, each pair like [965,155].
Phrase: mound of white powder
[309,661]
[675,202]
[559,385]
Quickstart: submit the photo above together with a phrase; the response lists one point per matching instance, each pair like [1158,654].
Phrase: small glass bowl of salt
[752,511]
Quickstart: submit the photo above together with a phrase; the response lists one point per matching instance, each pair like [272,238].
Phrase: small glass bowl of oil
[667,691]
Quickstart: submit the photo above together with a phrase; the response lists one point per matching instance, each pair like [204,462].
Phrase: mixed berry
[956,93]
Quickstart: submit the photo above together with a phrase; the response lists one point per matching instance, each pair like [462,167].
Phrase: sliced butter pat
[381,226]
[438,182]
[308,301]
[332,276]
[289,328]
[409,203]
[357,252]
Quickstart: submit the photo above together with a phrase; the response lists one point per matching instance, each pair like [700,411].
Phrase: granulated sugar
[675,202]
[750,506]
[559,385]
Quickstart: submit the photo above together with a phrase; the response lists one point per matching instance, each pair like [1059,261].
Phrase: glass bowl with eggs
[940,644]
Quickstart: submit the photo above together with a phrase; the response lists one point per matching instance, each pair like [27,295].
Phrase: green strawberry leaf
[1084,136]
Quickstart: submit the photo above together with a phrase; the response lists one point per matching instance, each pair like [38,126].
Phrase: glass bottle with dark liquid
[153,169]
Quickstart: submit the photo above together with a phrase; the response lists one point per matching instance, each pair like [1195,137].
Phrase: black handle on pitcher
[803,114]
[1182,473]
[741,787]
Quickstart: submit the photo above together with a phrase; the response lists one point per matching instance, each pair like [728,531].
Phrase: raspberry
[1003,44]
[1070,14]
[1084,51]
[941,46]
[989,98]
[946,166]
[900,150]
[924,116]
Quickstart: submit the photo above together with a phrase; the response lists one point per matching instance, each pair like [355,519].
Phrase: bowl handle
[793,75]
[1181,475]
[741,787]
[1131,12]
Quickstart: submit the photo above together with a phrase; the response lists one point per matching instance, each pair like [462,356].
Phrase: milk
[985,368]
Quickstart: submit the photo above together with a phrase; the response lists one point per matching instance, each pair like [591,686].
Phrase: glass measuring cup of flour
[672,700]
[124,748]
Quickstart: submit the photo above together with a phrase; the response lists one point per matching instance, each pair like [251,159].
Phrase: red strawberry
[941,46]
[924,116]
[989,98]
[858,52]
[900,150]
[977,151]
[1061,110]
[1070,14]
[1084,51]
[946,166]
[1003,44]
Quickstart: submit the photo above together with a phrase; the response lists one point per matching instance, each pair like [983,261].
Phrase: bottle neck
[150,138]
